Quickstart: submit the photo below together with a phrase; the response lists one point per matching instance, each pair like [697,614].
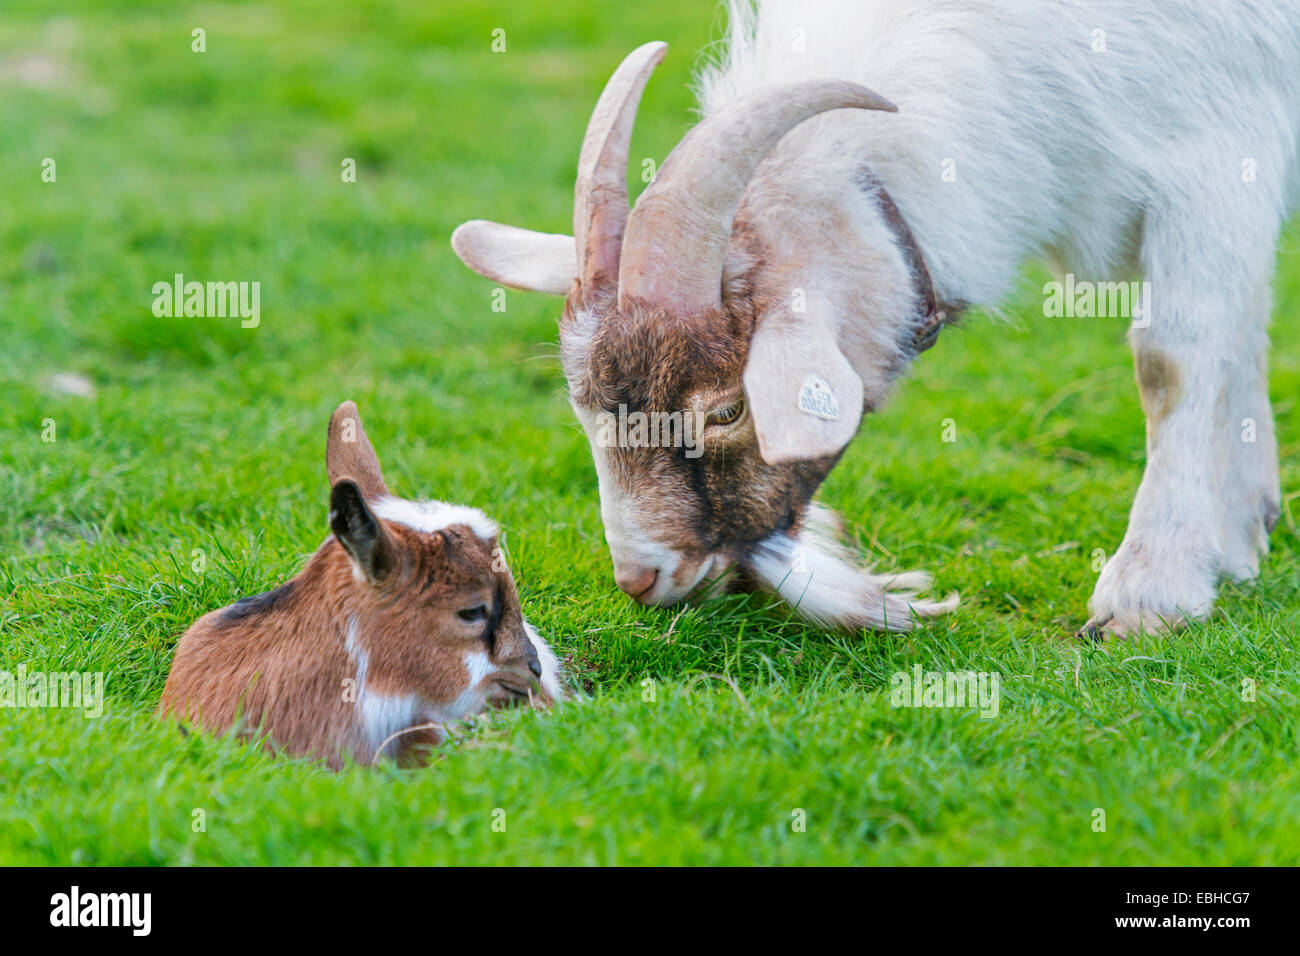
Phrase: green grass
[202,435]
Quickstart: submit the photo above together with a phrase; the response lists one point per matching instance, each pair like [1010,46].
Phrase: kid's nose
[531,659]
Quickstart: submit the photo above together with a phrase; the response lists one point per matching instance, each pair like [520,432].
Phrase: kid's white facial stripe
[431,516]
[479,666]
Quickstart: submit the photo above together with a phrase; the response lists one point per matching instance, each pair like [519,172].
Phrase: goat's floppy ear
[519,258]
[362,535]
[805,397]
[349,454]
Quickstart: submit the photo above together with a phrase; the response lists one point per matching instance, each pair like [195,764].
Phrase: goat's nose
[535,666]
[635,580]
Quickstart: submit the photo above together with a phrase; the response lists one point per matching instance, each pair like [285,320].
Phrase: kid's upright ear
[349,454]
[363,537]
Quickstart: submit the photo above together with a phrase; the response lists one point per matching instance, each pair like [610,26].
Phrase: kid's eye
[472,615]
[728,413]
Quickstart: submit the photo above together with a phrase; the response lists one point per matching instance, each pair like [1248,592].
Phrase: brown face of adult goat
[675,316]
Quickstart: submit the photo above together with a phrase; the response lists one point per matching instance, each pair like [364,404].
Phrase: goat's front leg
[1166,569]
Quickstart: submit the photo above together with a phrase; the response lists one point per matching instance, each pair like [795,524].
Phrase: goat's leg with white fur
[1203,501]
[1251,496]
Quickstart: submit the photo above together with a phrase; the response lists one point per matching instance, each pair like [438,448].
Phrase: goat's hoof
[1246,541]
[1152,586]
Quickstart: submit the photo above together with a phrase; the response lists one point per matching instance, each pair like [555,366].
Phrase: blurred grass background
[200,435]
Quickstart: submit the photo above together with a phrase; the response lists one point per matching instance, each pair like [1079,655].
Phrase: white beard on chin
[819,577]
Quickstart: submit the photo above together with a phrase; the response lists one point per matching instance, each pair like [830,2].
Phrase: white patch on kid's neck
[817,399]
[379,716]
[383,715]
[431,516]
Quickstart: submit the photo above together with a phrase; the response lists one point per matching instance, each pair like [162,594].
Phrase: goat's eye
[472,615]
[728,414]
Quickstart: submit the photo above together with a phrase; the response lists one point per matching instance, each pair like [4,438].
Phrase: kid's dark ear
[362,535]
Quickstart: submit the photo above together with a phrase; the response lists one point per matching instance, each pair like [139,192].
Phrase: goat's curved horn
[600,194]
[678,233]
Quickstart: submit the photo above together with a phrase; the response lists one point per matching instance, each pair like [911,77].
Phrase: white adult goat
[775,284]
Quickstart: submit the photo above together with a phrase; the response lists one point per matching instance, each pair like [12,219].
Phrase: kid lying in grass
[405,619]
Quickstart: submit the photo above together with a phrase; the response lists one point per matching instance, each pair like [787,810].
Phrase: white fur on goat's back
[1053,147]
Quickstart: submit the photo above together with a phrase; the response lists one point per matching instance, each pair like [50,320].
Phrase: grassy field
[703,731]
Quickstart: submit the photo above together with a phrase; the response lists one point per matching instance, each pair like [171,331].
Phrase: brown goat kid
[405,619]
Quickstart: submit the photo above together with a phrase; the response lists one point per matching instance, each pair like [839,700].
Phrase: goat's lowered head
[678,323]
[404,620]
